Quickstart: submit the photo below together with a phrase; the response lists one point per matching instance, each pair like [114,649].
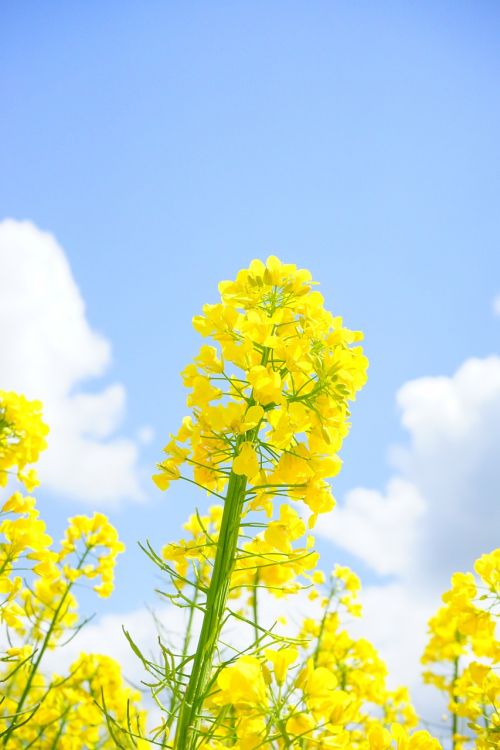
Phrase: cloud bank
[378,527]
[49,350]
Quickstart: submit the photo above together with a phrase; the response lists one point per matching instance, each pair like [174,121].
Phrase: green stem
[36,662]
[215,606]
[218,592]
[322,626]
[255,606]
[454,719]
[6,562]
[177,699]
[60,731]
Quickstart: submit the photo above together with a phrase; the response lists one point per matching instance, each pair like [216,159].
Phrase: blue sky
[165,145]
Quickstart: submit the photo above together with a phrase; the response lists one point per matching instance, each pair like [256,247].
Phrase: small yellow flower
[246,462]
[281,659]
[242,684]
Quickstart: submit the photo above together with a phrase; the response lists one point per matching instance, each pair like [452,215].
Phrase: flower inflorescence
[270,398]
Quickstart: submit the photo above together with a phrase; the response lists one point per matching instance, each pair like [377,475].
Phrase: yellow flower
[289,528]
[300,724]
[246,462]
[319,689]
[19,504]
[488,568]
[266,384]
[242,684]
[281,660]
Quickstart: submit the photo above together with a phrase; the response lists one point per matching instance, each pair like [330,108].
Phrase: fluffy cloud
[48,350]
[441,510]
[452,459]
[379,528]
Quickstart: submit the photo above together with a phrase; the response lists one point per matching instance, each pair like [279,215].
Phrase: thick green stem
[218,592]
[215,606]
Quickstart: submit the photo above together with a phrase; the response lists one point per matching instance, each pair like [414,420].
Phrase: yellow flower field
[268,396]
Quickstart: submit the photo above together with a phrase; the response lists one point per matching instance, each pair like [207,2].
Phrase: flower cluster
[22,437]
[69,714]
[39,611]
[270,400]
[101,543]
[322,689]
[463,653]
[22,535]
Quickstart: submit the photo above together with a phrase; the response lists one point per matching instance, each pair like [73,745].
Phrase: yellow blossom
[246,462]
[242,684]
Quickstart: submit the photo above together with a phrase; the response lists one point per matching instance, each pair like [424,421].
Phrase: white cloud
[496,305]
[48,349]
[453,461]
[441,510]
[378,528]
[396,622]
[106,637]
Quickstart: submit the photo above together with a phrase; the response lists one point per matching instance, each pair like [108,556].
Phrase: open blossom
[281,659]
[242,684]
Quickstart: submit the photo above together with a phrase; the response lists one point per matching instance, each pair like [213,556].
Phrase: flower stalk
[217,595]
